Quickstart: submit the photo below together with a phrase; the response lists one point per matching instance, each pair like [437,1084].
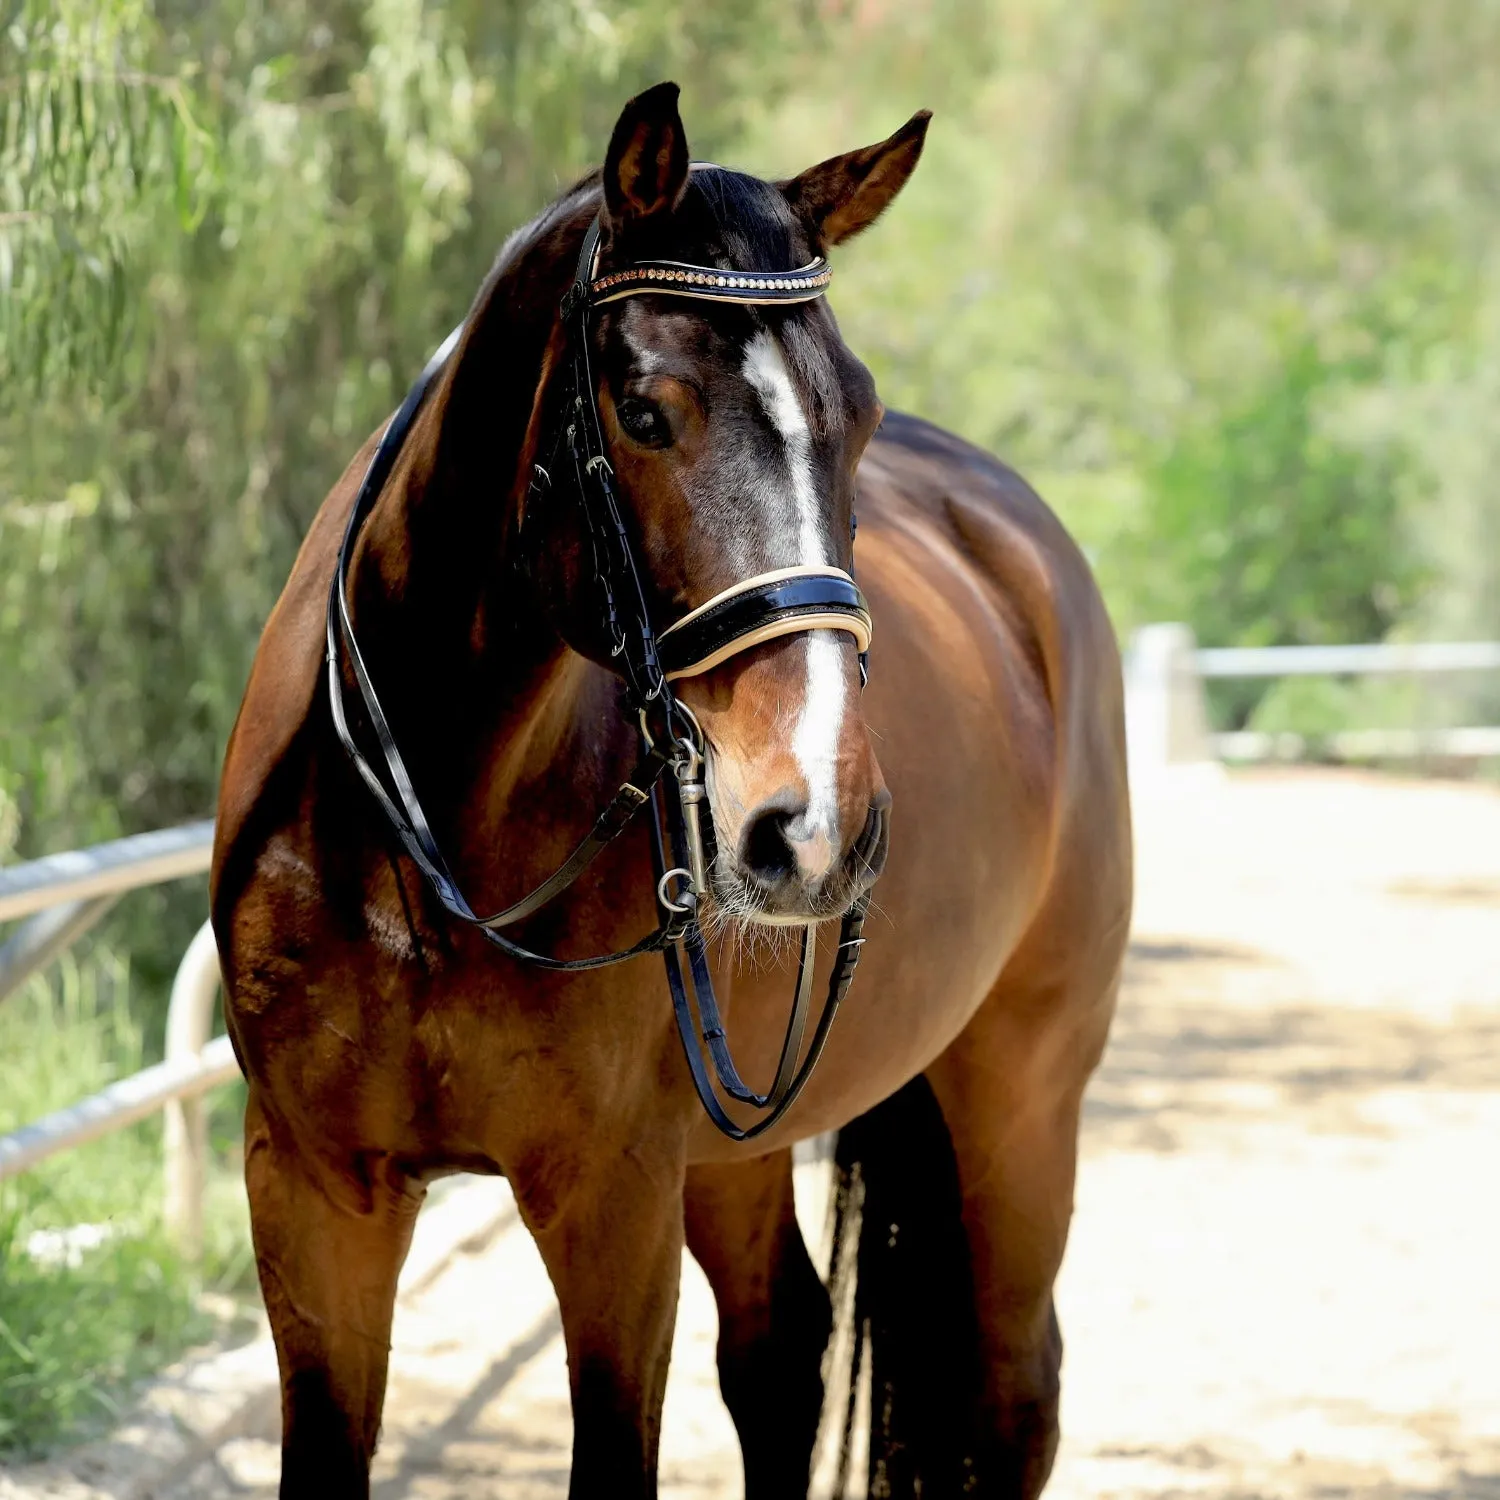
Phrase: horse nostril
[765,851]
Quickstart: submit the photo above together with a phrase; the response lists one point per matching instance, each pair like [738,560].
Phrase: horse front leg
[330,1238]
[1011,1097]
[613,1248]
[774,1316]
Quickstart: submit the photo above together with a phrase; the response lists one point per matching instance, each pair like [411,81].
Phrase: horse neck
[477,683]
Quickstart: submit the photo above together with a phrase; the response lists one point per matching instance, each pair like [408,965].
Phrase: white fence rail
[1167,719]
[1390,658]
[62,896]
[106,869]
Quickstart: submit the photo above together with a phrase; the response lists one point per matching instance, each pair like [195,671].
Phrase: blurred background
[1221,279]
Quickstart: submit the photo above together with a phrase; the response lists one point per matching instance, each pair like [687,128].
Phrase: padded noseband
[784,602]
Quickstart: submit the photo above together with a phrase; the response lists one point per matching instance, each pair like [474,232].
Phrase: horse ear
[845,194]
[646,167]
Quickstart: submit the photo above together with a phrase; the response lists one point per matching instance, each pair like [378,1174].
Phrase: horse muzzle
[787,870]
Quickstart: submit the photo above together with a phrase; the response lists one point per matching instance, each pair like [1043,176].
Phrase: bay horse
[647,446]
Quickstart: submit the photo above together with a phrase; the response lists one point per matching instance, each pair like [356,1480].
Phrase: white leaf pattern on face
[815,740]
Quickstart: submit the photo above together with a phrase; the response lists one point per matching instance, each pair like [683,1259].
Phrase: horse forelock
[749,218]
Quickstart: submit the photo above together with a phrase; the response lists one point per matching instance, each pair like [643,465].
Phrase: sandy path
[1285,1271]
[1284,1276]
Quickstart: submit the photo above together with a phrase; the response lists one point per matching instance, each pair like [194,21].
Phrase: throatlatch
[784,602]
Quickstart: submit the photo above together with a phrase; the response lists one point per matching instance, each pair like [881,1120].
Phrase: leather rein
[786,601]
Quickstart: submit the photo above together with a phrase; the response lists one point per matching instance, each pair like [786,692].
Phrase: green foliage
[75,1337]
[1264,527]
[90,142]
[81,1319]
[1268,526]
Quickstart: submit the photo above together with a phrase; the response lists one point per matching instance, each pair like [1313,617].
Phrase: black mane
[744,222]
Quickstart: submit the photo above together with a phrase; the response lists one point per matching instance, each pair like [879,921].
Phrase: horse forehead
[779,368]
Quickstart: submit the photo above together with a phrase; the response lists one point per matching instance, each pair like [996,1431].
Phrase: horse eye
[643,421]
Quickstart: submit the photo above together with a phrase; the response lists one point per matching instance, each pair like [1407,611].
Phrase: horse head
[734,432]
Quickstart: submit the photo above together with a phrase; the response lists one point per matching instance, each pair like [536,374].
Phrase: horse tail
[903,1299]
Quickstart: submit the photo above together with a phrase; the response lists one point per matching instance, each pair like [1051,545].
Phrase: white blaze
[815,740]
[766,370]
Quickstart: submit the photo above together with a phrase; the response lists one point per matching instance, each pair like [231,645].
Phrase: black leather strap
[845,962]
[711,1021]
[634,794]
[404,810]
[712,1024]
[696,1035]
[704,636]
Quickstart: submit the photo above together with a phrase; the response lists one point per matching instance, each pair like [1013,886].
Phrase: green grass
[77,1333]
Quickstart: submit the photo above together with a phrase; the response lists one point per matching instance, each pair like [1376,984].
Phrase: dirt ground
[1284,1275]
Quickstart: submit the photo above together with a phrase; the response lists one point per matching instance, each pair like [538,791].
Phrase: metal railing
[1392,658]
[1167,719]
[61,897]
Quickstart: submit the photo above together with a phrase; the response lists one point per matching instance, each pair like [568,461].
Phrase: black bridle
[785,602]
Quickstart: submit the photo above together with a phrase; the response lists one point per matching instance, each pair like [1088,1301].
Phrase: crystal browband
[683,280]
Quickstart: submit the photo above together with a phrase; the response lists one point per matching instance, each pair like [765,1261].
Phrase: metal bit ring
[688,904]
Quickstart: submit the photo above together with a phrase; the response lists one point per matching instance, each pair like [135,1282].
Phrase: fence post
[1166,721]
[185,1137]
